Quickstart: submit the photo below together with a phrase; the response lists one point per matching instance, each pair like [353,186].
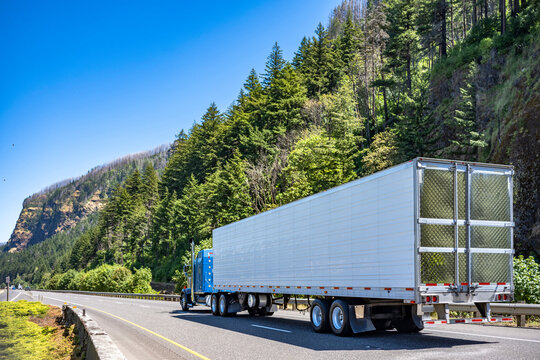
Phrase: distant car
[13,287]
[27,288]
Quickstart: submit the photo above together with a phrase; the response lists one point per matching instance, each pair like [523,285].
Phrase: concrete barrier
[96,343]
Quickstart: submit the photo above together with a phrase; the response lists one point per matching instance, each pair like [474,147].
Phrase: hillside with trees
[382,83]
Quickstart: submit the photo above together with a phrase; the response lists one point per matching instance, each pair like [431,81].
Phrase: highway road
[149,329]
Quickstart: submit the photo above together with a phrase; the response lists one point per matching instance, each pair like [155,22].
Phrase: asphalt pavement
[150,329]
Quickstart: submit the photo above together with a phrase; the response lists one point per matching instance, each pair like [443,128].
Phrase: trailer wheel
[252,312]
[407,324]
[264,312]
[320,310]
[223,304]
[184,301]
[214,305]
[339,318]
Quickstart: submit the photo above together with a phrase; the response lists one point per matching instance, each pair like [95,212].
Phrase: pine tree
[274,65]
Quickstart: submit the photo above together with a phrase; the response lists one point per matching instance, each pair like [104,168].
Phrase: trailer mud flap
[360,320]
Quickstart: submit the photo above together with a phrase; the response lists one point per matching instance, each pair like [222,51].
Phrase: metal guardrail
[164,297]
[503,308]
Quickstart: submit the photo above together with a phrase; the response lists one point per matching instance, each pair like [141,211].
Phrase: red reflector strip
[508,319]
[409,289]
[321,287]
[476,320]
[277,287]
[288,287]
[262,286]
[493,319]
[464,284]
[483,283]
[430,322]
[502,283]
[431,284]
[298,287]
[308,287]
[388,289]
[349,288]
[270,287]
[443,322]
[413,302]
[446,284]
[460,320]
[367,288]
[336,287]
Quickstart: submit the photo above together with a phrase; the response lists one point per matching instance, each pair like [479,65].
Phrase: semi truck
[381,252]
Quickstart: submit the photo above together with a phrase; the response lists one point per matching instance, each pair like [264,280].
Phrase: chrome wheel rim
[337,318]
[183,301]
[316,316]
[214,306]
[222,304]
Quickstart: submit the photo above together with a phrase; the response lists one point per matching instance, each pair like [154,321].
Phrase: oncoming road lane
[148,329]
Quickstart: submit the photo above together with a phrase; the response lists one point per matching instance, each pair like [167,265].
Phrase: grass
[30,330]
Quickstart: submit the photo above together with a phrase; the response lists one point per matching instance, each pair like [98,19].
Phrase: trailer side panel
[355,239]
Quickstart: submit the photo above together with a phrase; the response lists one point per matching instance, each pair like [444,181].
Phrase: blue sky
[83,83]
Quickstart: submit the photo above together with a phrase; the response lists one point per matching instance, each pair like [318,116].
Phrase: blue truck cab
[200,287]
[203,276]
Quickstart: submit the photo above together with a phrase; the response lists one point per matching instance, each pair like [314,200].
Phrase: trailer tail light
[428,298]
[505,297]
[499,297]
[434,298]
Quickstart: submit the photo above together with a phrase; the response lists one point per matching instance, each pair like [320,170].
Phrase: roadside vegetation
[29,330]
[104,278]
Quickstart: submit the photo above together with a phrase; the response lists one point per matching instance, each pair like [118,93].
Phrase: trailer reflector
[367,288]
[349,288]
[409,289]
[483,283]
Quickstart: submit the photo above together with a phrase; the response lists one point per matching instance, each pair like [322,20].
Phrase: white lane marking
[19,294]
[144,306]
[118,302]
[270,328]
[487,336]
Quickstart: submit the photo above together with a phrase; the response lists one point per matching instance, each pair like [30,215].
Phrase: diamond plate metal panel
[490,237]
[490,199]
[437,267]
[437,194]
[441,235]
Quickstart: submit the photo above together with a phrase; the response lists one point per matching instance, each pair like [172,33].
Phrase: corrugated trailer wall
[356,239]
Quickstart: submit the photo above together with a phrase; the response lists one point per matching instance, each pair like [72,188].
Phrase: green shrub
[140,281]
[527,280]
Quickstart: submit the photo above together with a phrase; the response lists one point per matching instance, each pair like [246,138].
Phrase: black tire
[214,304]
[381,324]
[319,316]
[184,302]
[253,312]
[407,324]
[223,304]
[264,312]
[339,318]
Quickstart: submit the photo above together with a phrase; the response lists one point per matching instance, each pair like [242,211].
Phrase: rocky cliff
[61,206]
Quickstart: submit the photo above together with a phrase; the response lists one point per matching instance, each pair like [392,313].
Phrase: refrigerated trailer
[384,251]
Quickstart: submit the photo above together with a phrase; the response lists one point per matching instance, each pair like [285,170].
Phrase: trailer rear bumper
[493,319]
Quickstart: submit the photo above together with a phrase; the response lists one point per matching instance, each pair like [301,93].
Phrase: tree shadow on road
[299,333]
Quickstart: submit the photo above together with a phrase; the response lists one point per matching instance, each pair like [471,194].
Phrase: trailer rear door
[465,224]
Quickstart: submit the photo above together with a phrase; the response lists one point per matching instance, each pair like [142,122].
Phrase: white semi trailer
[384,251]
